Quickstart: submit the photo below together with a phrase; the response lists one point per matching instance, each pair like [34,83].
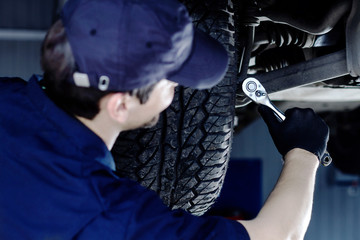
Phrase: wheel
[184,157]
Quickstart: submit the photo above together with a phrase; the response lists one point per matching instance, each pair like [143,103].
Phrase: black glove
[302,128]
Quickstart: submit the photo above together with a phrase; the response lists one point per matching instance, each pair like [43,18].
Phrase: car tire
[184,157]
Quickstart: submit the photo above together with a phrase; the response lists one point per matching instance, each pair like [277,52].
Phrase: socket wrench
[257,93]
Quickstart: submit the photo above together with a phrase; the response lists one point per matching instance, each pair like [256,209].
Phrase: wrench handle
[279,114]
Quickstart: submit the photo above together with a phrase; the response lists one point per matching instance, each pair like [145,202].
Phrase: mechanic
[111,66]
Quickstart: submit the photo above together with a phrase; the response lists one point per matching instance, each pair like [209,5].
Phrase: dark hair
[59,65]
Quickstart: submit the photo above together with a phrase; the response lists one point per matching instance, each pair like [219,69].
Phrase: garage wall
[336,211]
[19,51]
[27,14]
[19,58]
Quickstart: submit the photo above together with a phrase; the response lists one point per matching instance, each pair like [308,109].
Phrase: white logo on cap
[81,79]
[104,82]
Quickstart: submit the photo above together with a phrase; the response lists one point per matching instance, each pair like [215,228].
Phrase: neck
[104,129]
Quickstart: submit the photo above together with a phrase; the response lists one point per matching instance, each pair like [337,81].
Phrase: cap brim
[206,66]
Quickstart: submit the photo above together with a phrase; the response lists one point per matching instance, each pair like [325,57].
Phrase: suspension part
[282,35]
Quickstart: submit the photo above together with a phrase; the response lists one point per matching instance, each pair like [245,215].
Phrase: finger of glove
[269,117]
[301,113]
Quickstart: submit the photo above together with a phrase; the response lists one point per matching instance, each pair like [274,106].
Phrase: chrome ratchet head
[257,93]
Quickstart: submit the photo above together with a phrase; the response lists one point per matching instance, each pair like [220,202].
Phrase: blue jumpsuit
[57,181]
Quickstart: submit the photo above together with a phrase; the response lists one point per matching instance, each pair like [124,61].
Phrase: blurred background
[336,210]
[23,25]
[255,163]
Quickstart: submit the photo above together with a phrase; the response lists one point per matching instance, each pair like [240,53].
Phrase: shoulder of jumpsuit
[85,143]
[8,83]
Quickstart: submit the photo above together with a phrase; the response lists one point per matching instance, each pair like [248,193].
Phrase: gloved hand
[302,128]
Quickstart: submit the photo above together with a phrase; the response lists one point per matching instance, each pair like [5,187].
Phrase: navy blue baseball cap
[121,45]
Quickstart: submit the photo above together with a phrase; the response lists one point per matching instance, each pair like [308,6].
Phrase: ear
[117,107]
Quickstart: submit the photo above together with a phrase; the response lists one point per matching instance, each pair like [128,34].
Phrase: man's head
[128,46]
[120,45]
